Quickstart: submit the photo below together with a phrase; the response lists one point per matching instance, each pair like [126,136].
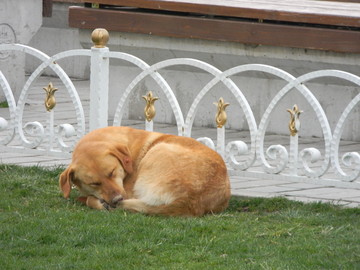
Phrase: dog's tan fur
[147,172]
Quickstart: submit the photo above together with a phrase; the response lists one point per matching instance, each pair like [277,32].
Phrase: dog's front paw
[106,205]
[96,203]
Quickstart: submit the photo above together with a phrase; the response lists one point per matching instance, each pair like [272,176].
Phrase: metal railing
[243,158]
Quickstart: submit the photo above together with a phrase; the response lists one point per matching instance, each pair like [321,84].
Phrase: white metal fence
[243,158]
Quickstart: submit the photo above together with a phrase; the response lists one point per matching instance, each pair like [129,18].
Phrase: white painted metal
[149,125]
[152,71]
[42,136]
[99,88]
[276,161]
[220,147]
[7,126]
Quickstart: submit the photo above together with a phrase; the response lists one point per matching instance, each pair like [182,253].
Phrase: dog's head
[98,169]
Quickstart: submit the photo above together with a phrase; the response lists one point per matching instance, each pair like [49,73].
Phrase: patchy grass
[41,230]
[4,104]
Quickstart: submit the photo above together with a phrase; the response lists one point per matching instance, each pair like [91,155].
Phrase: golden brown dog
[147,172]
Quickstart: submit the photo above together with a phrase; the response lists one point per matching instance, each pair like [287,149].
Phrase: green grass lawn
[4,104]
[41,230]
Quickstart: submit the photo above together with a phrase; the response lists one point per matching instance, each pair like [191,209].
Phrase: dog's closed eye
[95,184]
[111,173]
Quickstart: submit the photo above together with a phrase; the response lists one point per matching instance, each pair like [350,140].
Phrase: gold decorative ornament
[100,37]
[149,110]
[294,123]
[50,101]
[221,116]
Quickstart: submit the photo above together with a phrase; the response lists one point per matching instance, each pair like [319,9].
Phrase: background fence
[57,132]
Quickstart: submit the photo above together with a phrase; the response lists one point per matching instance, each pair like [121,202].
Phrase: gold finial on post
[100,37]
[50,101]
[221,116]
[149,110]
[294,123]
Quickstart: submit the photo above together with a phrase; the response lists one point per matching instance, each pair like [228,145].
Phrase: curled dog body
[147,172]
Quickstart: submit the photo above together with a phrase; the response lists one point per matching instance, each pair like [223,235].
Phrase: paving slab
[302,186]
[255,183]
[317,200]
[273,189]
[254,194]
[341,194]
[354,199]
[325,193]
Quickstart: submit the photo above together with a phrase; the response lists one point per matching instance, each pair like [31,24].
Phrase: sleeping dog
[147,172]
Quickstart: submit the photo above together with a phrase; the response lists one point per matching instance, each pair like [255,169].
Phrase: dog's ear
[65,181]
[122,153]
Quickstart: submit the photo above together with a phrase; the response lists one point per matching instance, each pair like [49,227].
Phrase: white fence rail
[243,158]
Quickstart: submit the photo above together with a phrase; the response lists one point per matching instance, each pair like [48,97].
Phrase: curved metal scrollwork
[7,126]
[241,155]
[35,134]
[276,159]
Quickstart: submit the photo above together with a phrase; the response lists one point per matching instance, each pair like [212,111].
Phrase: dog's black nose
[117,200]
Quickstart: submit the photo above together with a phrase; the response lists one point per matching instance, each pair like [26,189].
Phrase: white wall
[54,37]
[19,22]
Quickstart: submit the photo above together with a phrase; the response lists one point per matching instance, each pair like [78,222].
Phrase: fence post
[294,127]
[221,119]
[99,80]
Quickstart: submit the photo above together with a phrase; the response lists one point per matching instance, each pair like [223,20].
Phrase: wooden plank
[349,1]
[69,1]
[304,11]
[215,29]
[47,8]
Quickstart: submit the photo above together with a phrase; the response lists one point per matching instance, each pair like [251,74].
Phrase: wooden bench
[321,25]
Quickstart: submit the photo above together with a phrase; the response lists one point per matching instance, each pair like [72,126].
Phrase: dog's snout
[116,200]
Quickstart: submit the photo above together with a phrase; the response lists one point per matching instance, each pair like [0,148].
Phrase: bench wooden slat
[215,29]
[304,11]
